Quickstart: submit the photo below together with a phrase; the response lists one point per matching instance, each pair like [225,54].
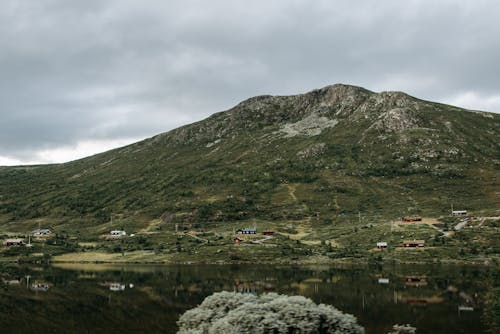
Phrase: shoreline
[345,261]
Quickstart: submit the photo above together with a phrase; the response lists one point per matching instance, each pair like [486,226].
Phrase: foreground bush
[227,312]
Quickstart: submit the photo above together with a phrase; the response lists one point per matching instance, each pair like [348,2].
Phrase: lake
[101,298]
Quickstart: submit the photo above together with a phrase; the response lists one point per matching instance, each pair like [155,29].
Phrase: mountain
[332,152]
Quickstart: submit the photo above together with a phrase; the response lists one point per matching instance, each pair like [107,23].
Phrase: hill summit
[332,152]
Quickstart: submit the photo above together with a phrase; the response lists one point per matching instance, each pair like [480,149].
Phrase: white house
[41,232]
[118,233]
[459,212]
[248,230]
[116,287]
[381,244]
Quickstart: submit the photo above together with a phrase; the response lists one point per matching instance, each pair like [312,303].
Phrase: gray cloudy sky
[81,77]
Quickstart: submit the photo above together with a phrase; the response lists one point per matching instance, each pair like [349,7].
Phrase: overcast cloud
[81,77]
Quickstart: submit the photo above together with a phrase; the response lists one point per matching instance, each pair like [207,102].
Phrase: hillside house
[116,287]
[381,244]
[14,242]
[413,243]
[459,212]
[42,232]
[248,230]
[118,233]
[411,219]
[237,240]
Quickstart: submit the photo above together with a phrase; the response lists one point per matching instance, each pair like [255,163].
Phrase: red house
[14,242]
[411,219]
[414,243]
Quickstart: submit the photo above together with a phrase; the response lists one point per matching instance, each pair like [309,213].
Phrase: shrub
[227,312]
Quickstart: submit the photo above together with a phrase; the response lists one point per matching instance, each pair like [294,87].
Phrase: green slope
[330,153]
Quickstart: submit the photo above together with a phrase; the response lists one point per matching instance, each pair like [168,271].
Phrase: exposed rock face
[312,125]
[307,114]
[396,120]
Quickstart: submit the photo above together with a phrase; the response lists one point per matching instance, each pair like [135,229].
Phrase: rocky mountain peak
[304,114]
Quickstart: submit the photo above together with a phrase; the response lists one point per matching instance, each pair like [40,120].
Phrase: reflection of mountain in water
[161,294]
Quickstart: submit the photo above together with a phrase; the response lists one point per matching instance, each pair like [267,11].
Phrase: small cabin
[237,240]
[459,213]
[413,243]
[411,219]
[116,287]
[248,230]
[42,232]
[381,245]
[268,232]
[14,242]
[118,233]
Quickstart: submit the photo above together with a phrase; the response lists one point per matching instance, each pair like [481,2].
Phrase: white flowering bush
[228,313]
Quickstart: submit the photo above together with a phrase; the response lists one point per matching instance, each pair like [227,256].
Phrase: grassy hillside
[387,153]
[320,157]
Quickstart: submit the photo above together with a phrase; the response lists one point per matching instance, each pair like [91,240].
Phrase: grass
[135,256]
[304,241]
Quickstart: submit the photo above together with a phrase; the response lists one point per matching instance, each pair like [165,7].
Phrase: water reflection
[40,286]
[136,299]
